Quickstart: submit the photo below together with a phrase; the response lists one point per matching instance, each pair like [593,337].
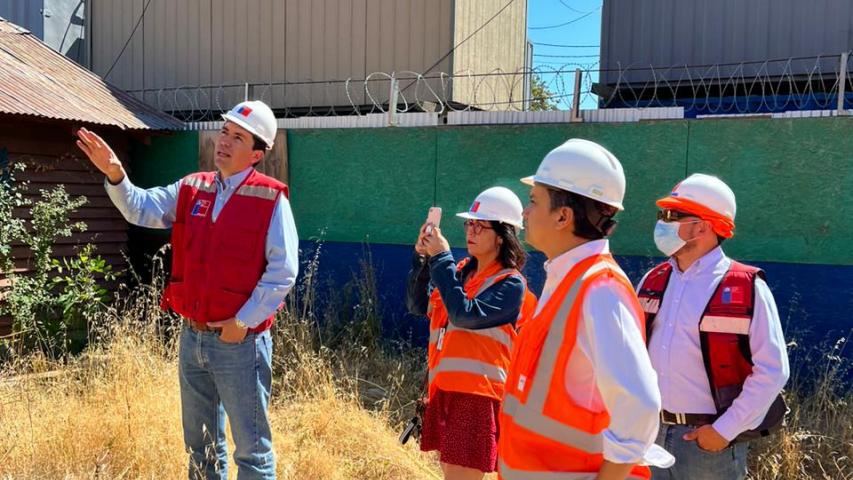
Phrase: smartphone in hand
[433,219]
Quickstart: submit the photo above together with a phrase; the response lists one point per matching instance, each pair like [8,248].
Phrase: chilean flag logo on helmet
[674,192]
[475,206]
[244,111]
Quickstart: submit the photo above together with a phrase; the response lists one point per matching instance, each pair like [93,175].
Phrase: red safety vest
[217,265]
[472,361]
[723,328]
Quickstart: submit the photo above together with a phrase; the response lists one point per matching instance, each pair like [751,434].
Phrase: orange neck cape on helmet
[722,225]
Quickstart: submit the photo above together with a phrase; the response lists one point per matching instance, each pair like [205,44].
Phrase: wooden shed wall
[52,159]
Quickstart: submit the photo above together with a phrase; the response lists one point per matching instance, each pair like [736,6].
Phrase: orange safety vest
[545,435]
[472,361]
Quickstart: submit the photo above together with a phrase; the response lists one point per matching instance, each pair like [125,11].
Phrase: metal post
[576,98]
[392,102]
[842,82]
[246,93]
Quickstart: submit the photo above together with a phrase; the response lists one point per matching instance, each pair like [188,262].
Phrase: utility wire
[128,39]
[572,8]
[567,23]
[564,56]
[564,46]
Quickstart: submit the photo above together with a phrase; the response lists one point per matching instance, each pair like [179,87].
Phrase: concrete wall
[792,177]
[785,173]
[499,46]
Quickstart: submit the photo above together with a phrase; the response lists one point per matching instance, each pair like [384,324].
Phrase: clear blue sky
[584,29]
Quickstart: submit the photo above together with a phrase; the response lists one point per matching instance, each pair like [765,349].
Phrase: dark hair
[511,253]
[593,219]
[259,145]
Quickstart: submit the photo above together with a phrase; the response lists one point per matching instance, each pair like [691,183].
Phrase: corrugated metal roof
[37,81]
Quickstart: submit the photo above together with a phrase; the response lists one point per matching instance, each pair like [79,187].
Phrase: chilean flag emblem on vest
[200,208]
[732,295]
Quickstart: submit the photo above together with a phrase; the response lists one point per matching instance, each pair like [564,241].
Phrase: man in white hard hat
[581,395]
[714,337]
[234,258]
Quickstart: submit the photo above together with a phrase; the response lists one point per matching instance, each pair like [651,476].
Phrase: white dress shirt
[609,368]
[677,356]
[156,208]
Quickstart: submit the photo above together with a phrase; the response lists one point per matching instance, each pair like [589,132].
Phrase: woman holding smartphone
[474,307]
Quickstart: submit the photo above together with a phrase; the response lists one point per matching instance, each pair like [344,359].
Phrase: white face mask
[667,239]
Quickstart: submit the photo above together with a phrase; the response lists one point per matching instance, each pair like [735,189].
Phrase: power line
[564,56]
[567,23]
[572,8]
[510,2]
[128,39]
[564,46]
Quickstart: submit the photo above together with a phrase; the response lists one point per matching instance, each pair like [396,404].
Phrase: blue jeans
[693,463]
[219,378]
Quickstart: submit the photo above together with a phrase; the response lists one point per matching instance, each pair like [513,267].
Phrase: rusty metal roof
[37,81]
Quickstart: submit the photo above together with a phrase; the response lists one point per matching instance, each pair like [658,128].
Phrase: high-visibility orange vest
[545,435]
[472,361]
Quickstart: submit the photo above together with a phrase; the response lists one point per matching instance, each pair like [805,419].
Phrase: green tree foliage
[53,300]
[542,98]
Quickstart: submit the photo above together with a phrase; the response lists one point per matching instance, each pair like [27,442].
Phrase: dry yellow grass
[339,394]
[117,416]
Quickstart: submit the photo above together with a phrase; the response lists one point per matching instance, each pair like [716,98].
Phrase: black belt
[201,327]
[691,419]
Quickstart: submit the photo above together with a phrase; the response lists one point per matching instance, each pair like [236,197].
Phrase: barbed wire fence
[767,86]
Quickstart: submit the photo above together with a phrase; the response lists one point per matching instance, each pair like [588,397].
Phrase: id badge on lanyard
[440,343]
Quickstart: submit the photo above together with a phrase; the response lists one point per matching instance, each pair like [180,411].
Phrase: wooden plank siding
[52,158]
[274,163]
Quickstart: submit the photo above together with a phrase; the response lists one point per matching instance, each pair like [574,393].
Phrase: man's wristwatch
[240,324]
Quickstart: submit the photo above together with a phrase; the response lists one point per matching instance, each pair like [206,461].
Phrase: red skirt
[463,428]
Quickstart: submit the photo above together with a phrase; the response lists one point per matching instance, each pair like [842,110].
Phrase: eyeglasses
[673,215]
[475,226]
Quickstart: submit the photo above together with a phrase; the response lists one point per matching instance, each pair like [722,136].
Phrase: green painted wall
[472,160]
[793,178]
[167,159]
[354,185]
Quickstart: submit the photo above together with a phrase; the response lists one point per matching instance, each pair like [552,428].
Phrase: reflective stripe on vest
[467,365]
[513,474]
[195,181]
[499,334]
[495,333]
[265,193]
[530,415]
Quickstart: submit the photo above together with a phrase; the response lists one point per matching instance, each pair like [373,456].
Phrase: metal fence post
[576,98]
[392,102]
[842,82]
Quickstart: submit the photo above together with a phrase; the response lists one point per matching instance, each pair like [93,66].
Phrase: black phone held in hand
[412,429]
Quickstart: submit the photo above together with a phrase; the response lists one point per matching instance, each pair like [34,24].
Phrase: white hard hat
[585,168]
[498,204]
[705,190]
[256,117]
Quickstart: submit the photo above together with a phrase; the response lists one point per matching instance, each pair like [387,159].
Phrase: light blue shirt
[156,208]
